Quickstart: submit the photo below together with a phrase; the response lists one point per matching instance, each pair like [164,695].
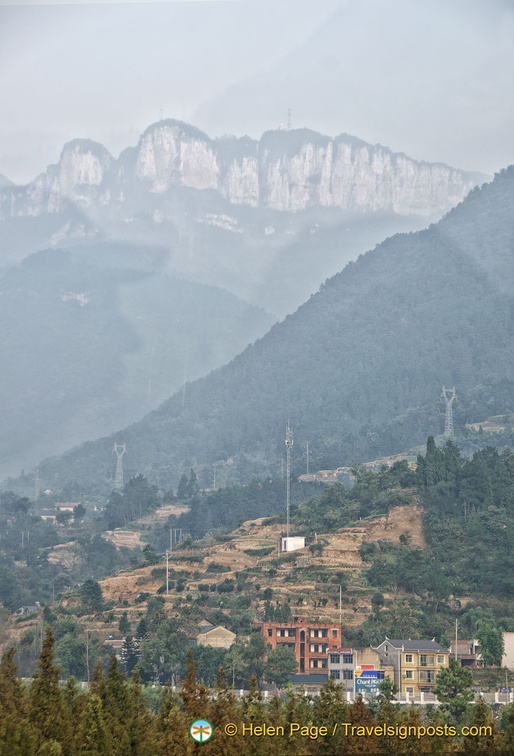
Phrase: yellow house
[416,663]
[217,637]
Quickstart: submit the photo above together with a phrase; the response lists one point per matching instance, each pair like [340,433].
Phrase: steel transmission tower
[449,397]
[119,450]
[289,445]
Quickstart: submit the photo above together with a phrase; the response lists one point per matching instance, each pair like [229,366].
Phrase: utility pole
[289,446]
[87,656]
[167,572]
[449,397]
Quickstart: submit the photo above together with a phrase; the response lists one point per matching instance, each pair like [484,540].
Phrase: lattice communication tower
[449,396]
[119,450]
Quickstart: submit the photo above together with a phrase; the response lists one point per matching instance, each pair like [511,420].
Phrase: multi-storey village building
[416,663]
[310,641]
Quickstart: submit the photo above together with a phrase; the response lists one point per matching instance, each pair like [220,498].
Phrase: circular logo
[201,730]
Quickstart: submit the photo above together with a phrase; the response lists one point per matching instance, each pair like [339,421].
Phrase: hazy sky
[433,79]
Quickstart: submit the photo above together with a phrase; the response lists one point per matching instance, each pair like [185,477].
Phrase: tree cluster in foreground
[113,718]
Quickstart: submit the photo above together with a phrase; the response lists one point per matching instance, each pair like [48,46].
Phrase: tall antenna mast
[289,444]
[449,397]
[119,450]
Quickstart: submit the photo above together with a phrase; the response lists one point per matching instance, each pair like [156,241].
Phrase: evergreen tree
[254,712]
[195,696]
[183,487]
[411,745]
[12,699]
[192,486]
[281,664]
[141,725]
[116,708]
[91,595]
[388,714]
[481,716]
[129,655]
[16,738]
[361,716]
[222,711]
[94,737]
[172,728]
[124,624]
[453,689]
[46,710]
[330,708]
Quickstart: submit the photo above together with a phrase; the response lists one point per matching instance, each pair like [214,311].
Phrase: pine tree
[254,712]
[481,717]
[361,742]
[116,708]
[330,709]
[172,728]
[192,486]
[183,487]
[195,696]
[223,710]
[16,738]
[388,714]
[124,624]
[141,723]
[46,710]
[411,745]
[94,737]
[12,700]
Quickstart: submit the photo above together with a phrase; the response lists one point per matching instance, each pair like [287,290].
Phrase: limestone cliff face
[285,171]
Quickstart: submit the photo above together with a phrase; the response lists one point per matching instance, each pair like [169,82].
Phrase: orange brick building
[310,641]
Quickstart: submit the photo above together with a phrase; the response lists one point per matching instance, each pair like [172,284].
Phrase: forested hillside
[95,338]
[358,368]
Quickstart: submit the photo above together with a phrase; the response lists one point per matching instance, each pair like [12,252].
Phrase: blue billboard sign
[367,682]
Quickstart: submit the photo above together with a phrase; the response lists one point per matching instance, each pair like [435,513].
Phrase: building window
[335,674]
[409,674]
[427,676]
[347,674]
[334,633]
[334,658]
[270,632]
[347,658]
[440,659]
[318,663]
[426,661]
[408,658]
[410,691]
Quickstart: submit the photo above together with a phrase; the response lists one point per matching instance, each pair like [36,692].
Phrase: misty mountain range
[229,210]
[357,369]
[113,307]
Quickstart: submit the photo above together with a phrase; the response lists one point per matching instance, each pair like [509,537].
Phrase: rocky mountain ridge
[286,170]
